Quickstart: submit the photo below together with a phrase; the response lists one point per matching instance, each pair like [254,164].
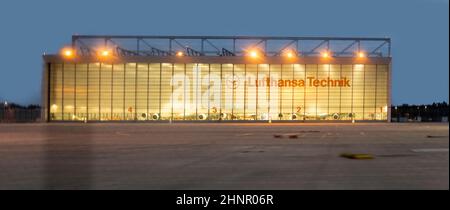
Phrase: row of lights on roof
[69,53]
[292,54]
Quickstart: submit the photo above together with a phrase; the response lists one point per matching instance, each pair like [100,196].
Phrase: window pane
[56,87]
[203,92]
[118,88]
[311,93]
[287,90]
[94,91]
[182,91]
[299,91]
[358,91]
[227,92]
[214,92]
[250,91]
[166,91]
[154,91]
[142,82]
[69,92]
[105,91]
[263,91]
[130,91]
[81,92]
[238,88]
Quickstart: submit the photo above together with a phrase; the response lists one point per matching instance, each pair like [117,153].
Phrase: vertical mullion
[49,85]
[328,108]
[292,93]
[245,91]
[233,93]
[376,86]
[135,92]
[99,91]
[123,97]
[160,79]
[317,89]
[340,91]
[280,94]
[62,91]
[87,92]
[112,91]
[257,90]
[304,93]
[364,92]
[220,95]
[184,93]
[269,117]
[173,68]
[148,91]
[353,114]
[196,90]
[209,90]
[75,92]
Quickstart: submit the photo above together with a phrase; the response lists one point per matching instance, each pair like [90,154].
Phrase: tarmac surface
[250,156]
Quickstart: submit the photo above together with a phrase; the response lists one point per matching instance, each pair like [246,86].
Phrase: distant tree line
[435,112]
[12,112]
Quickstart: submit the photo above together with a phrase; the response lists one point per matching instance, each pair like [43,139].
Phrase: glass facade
[227,92]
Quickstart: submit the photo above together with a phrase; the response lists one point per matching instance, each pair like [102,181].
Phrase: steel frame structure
[87,45]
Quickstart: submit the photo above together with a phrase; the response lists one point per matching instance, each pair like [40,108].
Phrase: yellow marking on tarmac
[357,156]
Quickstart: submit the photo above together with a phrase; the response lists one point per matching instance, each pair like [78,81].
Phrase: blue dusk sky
[419,30]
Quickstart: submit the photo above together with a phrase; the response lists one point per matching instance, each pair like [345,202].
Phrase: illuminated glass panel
[94,91]
[81,92]
[182,92]
[381,107]
[311,92]
[203,92]
[130,91]
[166,91]
[154,91]
[299,92]
[196,91]
[322,84]
[69,92]
[263,90]
[118,89]
[369,91]
[286,89]
[214,92]
[105,91]
[275,101]
[142,85]
[250,91]
[346,93]
[227,92]
[56,90]
[238,89]
[358,91]
[334,95]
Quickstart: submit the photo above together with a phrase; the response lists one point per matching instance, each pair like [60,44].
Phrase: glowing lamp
[361,55]
[289,54]
[104,53]
[68,52]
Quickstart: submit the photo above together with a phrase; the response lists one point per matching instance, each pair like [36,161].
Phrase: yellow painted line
[357,156]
